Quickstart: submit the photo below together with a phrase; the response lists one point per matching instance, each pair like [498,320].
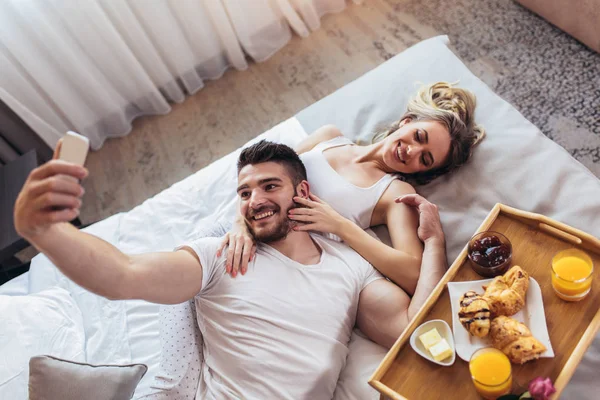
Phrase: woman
[359,185]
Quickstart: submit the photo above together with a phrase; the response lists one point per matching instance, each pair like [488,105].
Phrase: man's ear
[303,189]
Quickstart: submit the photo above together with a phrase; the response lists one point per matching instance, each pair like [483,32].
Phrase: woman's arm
[241,246]
[401,263]
[324,133]
[402,222]
[384,310]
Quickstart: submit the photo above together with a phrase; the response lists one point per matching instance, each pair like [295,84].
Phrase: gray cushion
[52,378]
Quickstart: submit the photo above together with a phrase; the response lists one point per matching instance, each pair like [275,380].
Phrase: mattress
[515,165]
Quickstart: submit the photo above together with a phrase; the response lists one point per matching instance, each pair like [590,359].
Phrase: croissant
[515,340]
[474,314]
[506,294]
[518,280]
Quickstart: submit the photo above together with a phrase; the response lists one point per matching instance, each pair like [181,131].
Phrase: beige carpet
[549,76]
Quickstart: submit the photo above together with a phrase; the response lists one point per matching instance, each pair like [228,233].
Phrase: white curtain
[92,66]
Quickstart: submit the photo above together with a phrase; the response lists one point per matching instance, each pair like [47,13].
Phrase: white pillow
[48,322]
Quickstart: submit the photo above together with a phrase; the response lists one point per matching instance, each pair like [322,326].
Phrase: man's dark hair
[265,151]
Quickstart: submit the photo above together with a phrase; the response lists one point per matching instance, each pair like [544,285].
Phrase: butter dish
[445,332]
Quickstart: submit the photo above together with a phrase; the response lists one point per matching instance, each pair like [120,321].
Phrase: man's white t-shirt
[280,331]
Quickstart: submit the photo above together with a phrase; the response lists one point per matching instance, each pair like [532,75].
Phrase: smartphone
[74,148]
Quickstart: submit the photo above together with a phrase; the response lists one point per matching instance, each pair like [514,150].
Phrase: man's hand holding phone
[52,192]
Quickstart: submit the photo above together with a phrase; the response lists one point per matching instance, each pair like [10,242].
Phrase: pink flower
[540,388]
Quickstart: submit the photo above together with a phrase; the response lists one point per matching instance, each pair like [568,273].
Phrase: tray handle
[566,236]
[556,228]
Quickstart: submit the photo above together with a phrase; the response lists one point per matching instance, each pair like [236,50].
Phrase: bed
[515,165]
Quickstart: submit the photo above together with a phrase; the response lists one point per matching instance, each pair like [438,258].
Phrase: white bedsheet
[538,176]
[52,325]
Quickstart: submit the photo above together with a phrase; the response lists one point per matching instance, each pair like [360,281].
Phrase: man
[279,331]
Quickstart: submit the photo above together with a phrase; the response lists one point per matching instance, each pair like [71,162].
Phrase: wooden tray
[403,374]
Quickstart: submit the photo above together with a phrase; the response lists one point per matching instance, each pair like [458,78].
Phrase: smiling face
[416,147]
[266,195]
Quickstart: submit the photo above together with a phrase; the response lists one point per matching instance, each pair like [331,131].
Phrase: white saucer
[445,332]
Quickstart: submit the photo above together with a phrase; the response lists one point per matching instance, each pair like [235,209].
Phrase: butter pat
[441,350]
[430,338]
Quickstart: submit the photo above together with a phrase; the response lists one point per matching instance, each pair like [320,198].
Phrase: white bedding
[52,325]
[536,175]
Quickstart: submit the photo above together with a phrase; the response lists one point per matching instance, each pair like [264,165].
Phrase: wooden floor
[162,150]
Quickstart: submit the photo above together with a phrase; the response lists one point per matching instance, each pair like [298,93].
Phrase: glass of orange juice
[491,373]
[572,271]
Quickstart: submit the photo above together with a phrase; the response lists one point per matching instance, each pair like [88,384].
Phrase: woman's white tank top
[353,202]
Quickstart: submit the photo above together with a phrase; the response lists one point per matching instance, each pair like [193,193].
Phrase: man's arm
[101,268]
[50,198]
[384,309]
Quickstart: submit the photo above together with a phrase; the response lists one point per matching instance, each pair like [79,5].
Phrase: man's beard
[278,230]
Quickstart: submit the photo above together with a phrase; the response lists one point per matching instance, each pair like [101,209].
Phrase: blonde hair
[454,108]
